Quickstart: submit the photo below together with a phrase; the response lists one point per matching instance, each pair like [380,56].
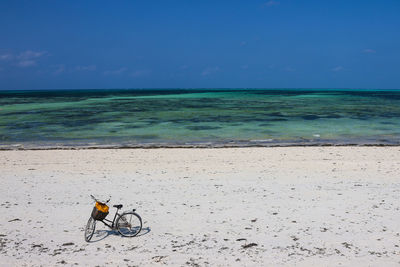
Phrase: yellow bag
[101,207]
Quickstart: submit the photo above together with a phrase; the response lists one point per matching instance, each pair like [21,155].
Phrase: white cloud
[26,63]
[28,58]
[338,68]
[29,54]
[115,72]
[86,68]
[140,73]
[271,3]
[209,71]
[6,57]
[369,51]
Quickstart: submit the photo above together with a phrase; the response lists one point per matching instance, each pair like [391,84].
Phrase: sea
[123,118]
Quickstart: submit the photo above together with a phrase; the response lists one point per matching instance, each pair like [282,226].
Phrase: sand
[304,206]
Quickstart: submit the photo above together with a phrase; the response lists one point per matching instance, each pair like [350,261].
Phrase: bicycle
[128,223]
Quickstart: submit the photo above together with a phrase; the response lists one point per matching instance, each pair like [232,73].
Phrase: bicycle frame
[112,226]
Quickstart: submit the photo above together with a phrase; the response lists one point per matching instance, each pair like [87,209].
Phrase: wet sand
[283,206]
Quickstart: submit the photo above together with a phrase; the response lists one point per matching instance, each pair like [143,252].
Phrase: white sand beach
[304,206]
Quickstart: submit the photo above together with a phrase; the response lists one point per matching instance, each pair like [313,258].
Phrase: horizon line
[206,88]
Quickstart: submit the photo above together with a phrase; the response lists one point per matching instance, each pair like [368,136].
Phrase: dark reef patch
[333,116]
[201,128]
[277,119]
[310,117]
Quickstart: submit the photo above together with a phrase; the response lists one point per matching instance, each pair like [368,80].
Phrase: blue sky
[199,44]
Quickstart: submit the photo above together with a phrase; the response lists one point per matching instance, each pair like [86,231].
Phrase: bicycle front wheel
[129,224]
[89,230]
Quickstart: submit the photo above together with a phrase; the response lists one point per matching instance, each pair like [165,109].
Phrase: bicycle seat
[118,206]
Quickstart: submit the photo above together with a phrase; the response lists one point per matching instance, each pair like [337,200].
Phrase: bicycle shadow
[102,234]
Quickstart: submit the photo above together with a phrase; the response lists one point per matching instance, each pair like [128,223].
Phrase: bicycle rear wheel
[89,230]
[129,224]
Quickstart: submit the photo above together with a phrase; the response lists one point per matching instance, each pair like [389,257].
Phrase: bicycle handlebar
[99,200]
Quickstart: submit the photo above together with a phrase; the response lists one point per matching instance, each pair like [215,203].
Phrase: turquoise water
[198,117]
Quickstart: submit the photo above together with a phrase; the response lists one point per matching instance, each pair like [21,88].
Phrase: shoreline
[201,145]
[188,147]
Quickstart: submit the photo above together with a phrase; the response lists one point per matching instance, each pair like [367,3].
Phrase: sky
[199,44]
